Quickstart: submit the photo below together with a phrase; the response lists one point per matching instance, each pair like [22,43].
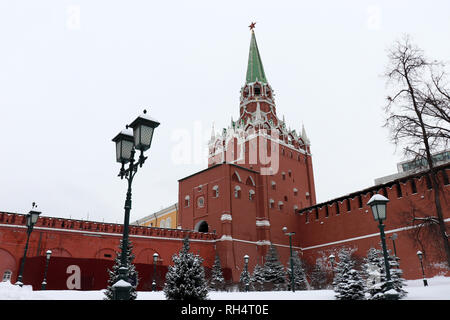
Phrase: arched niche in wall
[201,226]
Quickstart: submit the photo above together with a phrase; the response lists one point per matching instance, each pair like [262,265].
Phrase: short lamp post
[155,259]
[32,218]
[378,205]
[127,142]
[291,259]
[47,260]
[420,255]
[247,285]
[332,259]
[394,237]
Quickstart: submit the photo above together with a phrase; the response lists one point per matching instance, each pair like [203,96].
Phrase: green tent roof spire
[255,70]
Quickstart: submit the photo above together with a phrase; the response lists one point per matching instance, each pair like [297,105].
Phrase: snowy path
[438,289]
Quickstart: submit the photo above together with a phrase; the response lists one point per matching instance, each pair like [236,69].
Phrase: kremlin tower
[259,174]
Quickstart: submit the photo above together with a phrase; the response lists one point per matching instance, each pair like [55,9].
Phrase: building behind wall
[164,218]
[408,167]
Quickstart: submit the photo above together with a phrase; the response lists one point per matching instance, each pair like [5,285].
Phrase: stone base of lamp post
[391,295]
[122,290]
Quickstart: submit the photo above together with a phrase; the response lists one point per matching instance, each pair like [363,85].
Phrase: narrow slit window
[445,176]
[413,186]
[428,181]
[399,190]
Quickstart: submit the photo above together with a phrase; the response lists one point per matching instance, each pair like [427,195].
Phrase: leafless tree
[425,229]
[418,113]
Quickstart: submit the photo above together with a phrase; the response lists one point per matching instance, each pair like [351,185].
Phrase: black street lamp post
[246,258]
[291,258]
[127,142]
[155,259]
[32,218]
[420,255]
[378,205]
[47,260]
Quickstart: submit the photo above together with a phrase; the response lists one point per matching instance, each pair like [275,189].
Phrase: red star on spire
[252,25]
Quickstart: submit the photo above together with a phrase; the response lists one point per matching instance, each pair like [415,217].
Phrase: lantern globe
[124,145]
[378,205]
[32,217]
[420,254]
[143,130]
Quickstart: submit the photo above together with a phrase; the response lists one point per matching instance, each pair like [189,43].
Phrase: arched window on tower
[251,194]
[280,205]
[257,89]
[246,92]
[187,201]
[215,191]
[250,181]
[237,192]
[235,177]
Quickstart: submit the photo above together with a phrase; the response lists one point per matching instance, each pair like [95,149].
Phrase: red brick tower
[259,174]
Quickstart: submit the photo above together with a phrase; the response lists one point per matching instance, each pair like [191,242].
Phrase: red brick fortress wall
[93,240]
[348,221]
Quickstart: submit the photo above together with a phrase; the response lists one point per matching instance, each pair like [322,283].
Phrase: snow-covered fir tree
[300,282]
[344,264]
[351,286]
[217,281]
[348,282]
[318,275]
[114,273]
[372,268]
[185,279]
[396,275]
[258,278]
[375,275]
[274,271]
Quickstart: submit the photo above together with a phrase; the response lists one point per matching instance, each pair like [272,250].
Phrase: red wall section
[322,235]
[71,239]
[89,274]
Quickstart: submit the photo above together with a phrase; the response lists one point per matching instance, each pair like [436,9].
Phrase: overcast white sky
[74,73]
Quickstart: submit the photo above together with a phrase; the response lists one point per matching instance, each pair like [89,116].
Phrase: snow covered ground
[438,289]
